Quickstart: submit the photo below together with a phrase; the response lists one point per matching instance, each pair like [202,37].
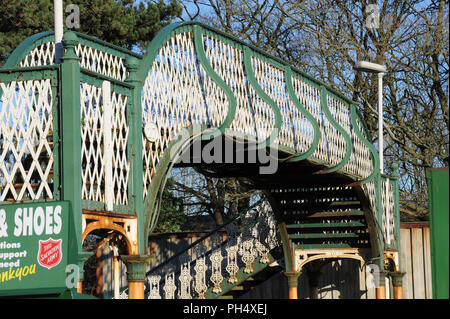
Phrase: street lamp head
[369,67]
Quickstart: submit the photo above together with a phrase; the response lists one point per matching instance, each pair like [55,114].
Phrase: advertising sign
[34,241]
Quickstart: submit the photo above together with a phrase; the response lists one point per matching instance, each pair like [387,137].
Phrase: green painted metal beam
[198,41]
[438,189]
[348,142]
[305,112]
[70,132]
[348,213]
[323,236]
[266,98]
[322,246]
[325,225]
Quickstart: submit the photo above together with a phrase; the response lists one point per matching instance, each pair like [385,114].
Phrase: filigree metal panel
[26,140]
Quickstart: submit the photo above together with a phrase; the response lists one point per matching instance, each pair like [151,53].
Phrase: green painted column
[82,259]
[136,269]
[136,184]
[292,277]
[397,283]
[289,259]
[438,202]
[70,134]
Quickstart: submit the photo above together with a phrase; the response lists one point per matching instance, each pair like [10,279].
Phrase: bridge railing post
[136,181]
[70,137]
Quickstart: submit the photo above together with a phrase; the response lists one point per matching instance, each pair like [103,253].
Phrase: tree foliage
[219,198]
[171,216]
[119,22]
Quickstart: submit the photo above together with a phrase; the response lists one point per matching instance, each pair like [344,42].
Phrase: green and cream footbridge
[103,128]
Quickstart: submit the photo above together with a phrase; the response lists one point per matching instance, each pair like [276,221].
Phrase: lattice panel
[26,140]
[177,94]
[387,227]
[93,141]
[216,101]
[296,131]
[388,212]
[43,54]
[101,62]
[335,140]
[370,191]
[264,115]
[309,96]
[120,163]
[90,58]
[360,162]
[228,62]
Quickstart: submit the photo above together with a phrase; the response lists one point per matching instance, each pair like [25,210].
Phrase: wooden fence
[416,260]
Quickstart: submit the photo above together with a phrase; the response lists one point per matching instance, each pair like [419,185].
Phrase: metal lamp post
[59,29]
[380,70]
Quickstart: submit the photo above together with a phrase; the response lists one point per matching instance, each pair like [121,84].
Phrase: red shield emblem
[50,253]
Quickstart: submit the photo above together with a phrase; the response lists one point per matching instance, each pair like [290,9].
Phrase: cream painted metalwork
[93,134]
[241,249]
[94,59]
[26,144]
[388,213]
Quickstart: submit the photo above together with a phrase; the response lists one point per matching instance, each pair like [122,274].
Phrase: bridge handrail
[249,51]
[166,32]
[43,44]
[254,246]
[204,237]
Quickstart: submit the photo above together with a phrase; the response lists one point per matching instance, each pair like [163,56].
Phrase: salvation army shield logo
[50,253]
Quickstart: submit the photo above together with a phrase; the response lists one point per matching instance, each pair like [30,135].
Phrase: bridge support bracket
[125,225]
[302,256]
